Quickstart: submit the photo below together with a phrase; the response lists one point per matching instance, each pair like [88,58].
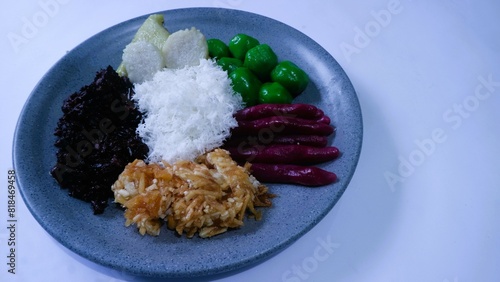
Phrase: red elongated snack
[292,174]
[324,119]
[304,111]
[282,125]
[294,139]
[284,154]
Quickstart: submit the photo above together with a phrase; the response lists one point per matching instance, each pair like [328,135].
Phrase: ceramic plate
[104,239]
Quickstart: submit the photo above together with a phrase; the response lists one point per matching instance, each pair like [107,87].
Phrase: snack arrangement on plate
[186,131]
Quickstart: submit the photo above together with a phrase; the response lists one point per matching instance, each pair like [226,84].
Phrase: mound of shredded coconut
[188,111]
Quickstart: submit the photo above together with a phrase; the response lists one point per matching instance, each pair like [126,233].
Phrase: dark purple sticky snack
[96,138]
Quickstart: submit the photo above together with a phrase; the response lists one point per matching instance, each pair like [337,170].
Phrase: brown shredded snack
[207,196]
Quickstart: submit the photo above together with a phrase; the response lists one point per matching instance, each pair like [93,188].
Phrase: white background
[424,202]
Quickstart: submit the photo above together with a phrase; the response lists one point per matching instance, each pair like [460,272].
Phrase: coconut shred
[188,111]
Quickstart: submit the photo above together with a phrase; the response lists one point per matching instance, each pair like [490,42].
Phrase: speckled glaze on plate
[104,239]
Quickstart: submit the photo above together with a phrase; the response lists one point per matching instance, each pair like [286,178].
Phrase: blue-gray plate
[104,239]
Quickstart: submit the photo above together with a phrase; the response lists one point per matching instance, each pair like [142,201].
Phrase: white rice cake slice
[152,31]
[185,48]
[143,60]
